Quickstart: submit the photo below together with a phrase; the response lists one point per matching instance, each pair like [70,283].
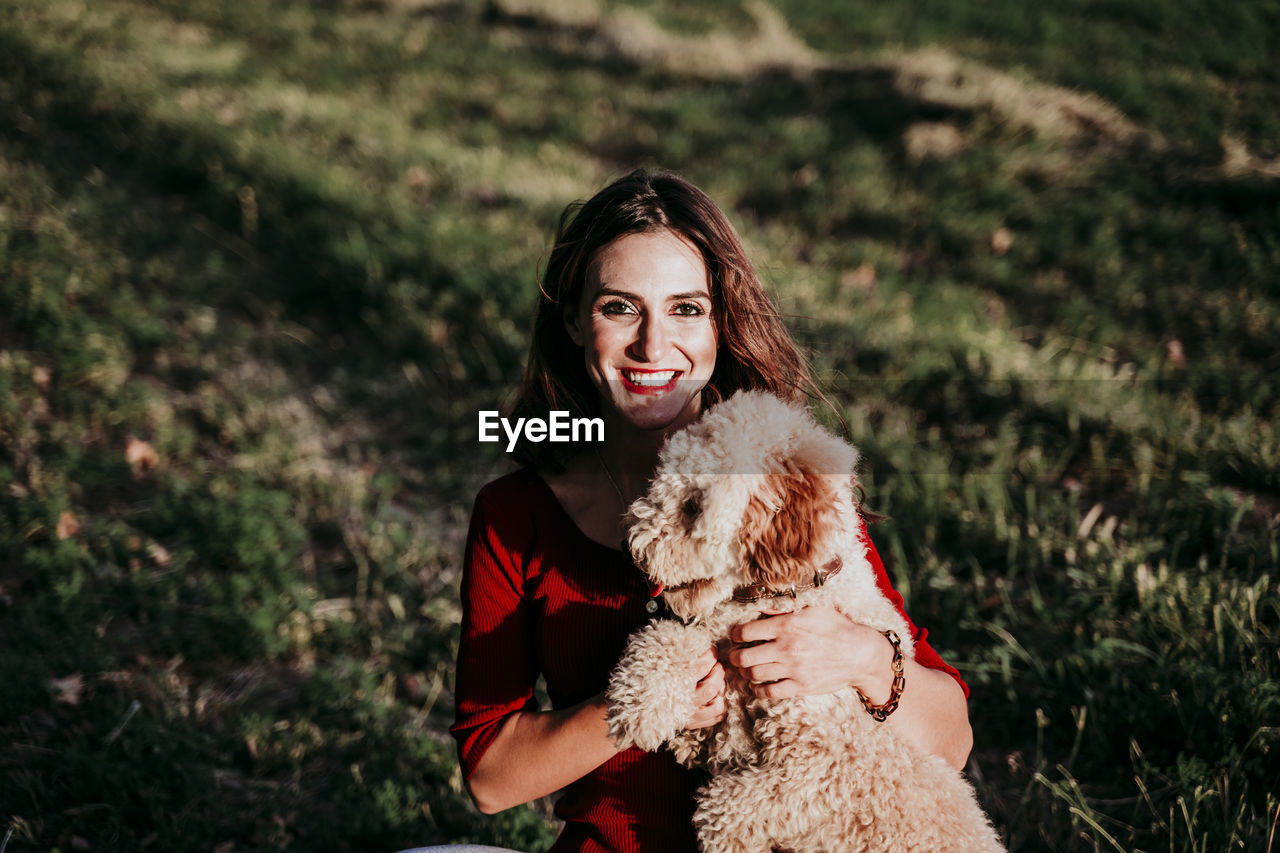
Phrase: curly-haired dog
[752,509]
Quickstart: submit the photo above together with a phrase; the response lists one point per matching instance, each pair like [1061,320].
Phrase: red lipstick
[647,389]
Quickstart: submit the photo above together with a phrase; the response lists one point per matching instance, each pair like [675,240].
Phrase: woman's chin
[652,414]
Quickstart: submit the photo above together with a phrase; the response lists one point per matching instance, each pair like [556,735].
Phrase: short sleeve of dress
[925,654]
[496,668]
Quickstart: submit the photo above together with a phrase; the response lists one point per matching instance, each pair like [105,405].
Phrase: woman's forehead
[661,262]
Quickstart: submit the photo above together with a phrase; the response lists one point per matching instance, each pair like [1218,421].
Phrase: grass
[260,264]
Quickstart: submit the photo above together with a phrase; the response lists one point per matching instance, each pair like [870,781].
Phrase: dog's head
[750,494]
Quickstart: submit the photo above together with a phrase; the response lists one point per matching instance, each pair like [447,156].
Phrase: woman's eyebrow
[606,290]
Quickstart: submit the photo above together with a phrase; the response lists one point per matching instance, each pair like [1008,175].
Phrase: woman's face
[644,323]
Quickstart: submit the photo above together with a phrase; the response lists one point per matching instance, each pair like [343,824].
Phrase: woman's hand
[709,694]
[808,651]
[820,650]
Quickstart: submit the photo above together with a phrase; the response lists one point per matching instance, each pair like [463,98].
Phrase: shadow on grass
[151,743]
[360,288]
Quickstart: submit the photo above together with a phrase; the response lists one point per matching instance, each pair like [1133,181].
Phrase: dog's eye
[691,508]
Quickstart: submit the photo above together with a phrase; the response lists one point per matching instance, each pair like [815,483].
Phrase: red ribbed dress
[540,597]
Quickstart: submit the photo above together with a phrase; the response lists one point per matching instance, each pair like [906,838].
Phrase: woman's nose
[652,340]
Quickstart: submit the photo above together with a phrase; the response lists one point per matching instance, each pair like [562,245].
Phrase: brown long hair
[755,352]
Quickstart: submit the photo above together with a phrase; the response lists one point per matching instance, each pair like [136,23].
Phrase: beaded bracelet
[881,712]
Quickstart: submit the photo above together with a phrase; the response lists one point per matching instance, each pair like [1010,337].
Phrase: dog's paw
[650,694]
[644,712]
[631,726]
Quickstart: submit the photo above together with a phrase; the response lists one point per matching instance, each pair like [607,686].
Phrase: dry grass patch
[636,37]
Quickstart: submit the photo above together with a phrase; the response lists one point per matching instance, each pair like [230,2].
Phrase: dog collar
[756,591]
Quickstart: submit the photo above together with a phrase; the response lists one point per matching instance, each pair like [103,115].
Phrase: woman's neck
[629,456]
[599,483]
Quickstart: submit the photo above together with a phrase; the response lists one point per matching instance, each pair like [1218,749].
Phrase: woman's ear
[571,325]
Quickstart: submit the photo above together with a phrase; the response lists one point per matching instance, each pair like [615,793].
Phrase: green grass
[1192,70]
[289,249]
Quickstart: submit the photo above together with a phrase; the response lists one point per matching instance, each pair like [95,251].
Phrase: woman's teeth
[653,380]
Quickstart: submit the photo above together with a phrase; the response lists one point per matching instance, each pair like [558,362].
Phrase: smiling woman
[645,326]
[599,271]
[649,314]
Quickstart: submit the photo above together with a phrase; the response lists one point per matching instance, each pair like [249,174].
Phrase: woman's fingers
[811,650]
[765,672]
[785,689]
[745,657]
[707,715]
[708,695]
[704,664]
[710,687]
[759,630]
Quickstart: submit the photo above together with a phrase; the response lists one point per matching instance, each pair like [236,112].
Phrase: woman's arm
[539,752]
[820,650]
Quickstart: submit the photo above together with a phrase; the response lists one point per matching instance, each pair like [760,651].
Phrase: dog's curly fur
[756,492]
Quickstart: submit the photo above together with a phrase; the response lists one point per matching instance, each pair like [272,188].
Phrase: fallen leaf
[863,278]
[1001,240]
[413,686]
[159,554]
[805,176]
[416,177]
[68,525]
[66,690]
[140,455]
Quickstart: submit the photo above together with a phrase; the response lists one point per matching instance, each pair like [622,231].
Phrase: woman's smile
[653,382]
[646,330]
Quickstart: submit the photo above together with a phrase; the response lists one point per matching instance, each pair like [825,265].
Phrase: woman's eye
[688,309]
[616,306]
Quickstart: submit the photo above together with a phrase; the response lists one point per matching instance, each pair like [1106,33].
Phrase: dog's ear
[784,522]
